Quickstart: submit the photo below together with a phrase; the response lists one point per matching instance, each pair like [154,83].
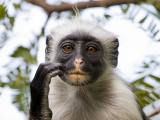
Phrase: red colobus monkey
[78,81]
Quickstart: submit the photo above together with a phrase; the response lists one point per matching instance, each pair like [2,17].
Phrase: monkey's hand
[39,88]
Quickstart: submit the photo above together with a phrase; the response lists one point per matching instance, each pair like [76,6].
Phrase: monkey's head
[85,50]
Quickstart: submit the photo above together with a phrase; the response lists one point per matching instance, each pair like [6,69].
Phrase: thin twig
[80,5]
[154,112]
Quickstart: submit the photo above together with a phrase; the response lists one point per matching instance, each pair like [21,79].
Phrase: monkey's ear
[48,38]
[114,53]
[48,48]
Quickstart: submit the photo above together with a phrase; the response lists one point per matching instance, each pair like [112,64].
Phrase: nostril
[78,61]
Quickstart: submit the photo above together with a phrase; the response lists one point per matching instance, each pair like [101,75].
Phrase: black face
[86,49]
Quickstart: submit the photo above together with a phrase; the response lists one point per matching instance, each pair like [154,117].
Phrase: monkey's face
[82,57]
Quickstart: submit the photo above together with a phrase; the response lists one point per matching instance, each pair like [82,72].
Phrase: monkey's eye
[67,48]
[91,50]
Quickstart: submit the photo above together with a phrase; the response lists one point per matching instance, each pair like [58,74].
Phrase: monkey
[79,79]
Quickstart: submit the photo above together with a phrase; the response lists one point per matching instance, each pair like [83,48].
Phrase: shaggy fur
[109,98]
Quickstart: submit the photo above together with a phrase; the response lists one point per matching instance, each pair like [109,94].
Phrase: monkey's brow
[79,36]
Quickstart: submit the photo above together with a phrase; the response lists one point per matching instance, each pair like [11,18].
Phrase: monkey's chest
[68,104]
[76,109]
[81,109]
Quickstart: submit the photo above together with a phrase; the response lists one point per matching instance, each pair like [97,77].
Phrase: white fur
[109,98]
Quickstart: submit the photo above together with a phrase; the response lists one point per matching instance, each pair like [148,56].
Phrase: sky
[135,45]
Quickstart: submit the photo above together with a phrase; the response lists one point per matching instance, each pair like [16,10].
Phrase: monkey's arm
[39,89]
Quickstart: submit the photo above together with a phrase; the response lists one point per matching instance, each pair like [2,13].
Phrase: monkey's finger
[49,68]
[40,68]
[37,81]
[62,68]
[43,86]
[50,75]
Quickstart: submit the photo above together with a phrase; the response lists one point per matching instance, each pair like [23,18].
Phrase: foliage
[133,12]
[3,11]
[146,92]
[19,77]
[19,81]
[25,54]
[147,95]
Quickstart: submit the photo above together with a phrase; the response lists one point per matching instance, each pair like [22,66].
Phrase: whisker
[84,83]
[78,88]
[104,60]
[83,90]
[102,64]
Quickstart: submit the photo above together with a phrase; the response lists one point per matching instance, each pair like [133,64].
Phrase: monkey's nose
[78,61]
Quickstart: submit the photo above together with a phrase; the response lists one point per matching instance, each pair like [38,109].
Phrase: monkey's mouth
[77,73]
[78,76]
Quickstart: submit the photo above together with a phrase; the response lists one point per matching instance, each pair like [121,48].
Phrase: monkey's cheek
[78,78]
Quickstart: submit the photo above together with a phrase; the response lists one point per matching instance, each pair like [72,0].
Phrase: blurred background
[24,25]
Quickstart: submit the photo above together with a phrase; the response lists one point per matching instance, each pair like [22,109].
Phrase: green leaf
[124,10]
[2,11]
[154,14]
[12,20]
[156,33]
[138,82]
[145,65]
[153,106]
[25,54]
[138,9]
[149,27]
[6,25]
[2,84]
[17,5]
[131,16]
[3,39]
[148,86]
[18,69]
[107,16]
[156,95]
[42,33]
[153,28]
[149,99]
[140,92]
[143,97]
[9,77]
[139,72]
[155,78]
[143,19]
[152,61]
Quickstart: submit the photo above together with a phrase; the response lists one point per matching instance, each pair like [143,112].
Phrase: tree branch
[79,5]
[154,112]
